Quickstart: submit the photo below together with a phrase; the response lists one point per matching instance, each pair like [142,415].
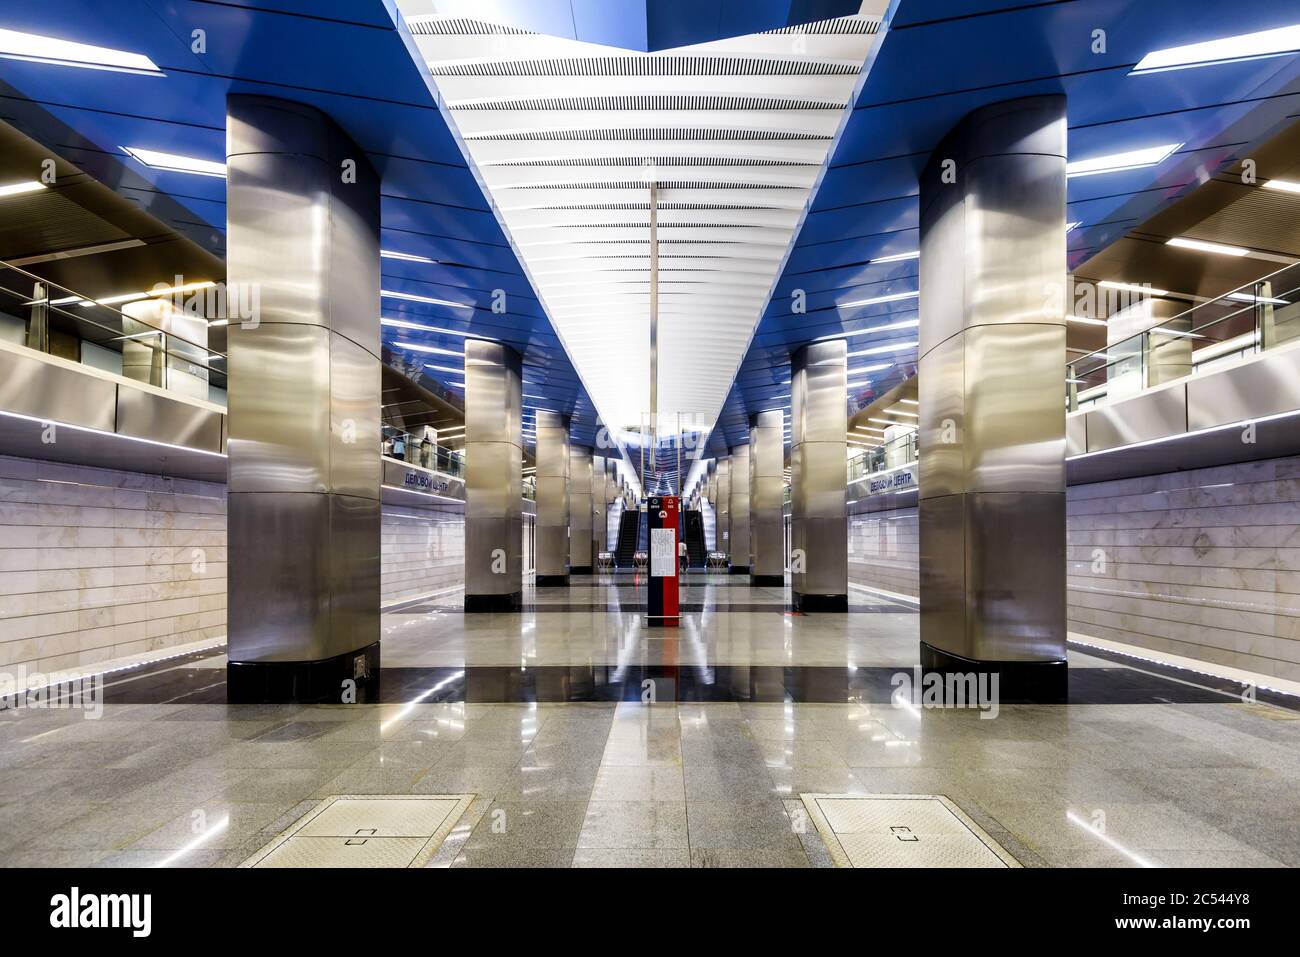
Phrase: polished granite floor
[754,706]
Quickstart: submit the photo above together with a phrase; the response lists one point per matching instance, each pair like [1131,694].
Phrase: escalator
[628,529]
[696,548]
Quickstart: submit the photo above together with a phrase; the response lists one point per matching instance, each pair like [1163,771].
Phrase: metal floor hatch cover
[902,830]
[371,830]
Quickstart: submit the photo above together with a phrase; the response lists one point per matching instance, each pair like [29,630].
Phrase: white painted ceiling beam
[495,153]
[479,123]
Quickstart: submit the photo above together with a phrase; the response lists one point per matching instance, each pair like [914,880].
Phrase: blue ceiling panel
[940,59]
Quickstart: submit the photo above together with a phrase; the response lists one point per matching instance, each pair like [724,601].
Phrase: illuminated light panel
[896,258]
[14,189]
[1133,287]
[896,297]
[431,350]
[411,297]
[1285,185]
[35,48]
[175,163]
[878,350]
[404,257]
[1246,46]
[1084,320]
[1115,162]
[1204,247]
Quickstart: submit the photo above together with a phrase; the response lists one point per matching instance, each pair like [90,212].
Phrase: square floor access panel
[376,830]
[902,830]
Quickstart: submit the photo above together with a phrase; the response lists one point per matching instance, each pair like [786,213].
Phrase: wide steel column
[738,515]
[494,458]
[766,499]
[819,544]
[304,472]
[553,503]
[992,412]
[580,558]
[722,532]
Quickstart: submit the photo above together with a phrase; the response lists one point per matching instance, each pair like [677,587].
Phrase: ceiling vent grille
[653,65]
[435,26]
[642,133]
[652,103]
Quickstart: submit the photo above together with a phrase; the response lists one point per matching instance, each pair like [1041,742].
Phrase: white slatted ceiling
[567,137]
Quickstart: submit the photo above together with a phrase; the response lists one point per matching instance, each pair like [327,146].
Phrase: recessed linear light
[901,324]
[1205,247]
[406,324]
[896,297]
[909,401]
[877,350]
[432,350]
[35,48]
[1285,185]
[1085,320]
[174,163]
[157,292]
[13,189]
[1251,297]
[446,369]
[897,258]
[404,257]
[1115,162]
[1070,227]
[411,297]
[1246,46]
[1132,287]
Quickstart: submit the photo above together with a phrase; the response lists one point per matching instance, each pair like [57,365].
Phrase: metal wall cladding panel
[553,501]
[31,386]
[825,556]
[279,576]
[941,276]
[941,527]
[552,549]
[1015,553]
[738,519]
[1076,434]
[279,233]
[492,479]
[355,571]
[819,392]
[493,393]
[279,408]
[160,419]
[354,419]
[492,544]
[722,520]
[1014,257]
[354,305]
[1014,437]
[1269,385]
[1146,416]
[580,506]
[941,387]
[1029,125]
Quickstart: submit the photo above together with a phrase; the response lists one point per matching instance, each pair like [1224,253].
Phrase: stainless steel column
[304,472]
[579,510]
[553,504]
[992,413]
[766,499]
[494,458]
[738,515]
[722,533]
[819,563]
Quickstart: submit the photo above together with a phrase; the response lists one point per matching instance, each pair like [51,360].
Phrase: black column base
[351,678]
[802,602]
[740,569]
[477,604]
[551,581]
[1019,682]
[767,581]
[579,569]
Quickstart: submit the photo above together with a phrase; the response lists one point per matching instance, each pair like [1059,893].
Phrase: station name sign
[902,479]
[423,482]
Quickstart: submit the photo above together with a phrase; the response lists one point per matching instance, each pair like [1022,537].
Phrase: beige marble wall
[97,564]
[1204,564]
[423,551]
[883,550]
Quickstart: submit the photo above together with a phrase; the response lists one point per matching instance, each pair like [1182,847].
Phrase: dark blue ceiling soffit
[941,59]
[648,26]
[345,57]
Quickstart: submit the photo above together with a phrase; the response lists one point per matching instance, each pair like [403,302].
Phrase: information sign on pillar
[661,603]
